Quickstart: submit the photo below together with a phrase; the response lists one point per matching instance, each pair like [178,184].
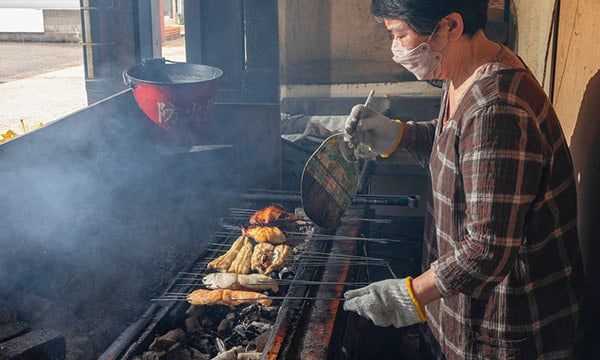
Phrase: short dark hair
[423,15]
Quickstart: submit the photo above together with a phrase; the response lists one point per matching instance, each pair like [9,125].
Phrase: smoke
[96,219]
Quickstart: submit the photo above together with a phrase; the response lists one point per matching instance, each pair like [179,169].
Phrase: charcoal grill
[310,323]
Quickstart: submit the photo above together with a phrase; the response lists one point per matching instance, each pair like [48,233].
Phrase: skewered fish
[271,214]
[262,257]
[267,258]
[223,262]
[262,234]
[280,256]
[226,297]
[241,264]
[233,281]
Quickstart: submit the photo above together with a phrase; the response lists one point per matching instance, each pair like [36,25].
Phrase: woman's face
[400,31]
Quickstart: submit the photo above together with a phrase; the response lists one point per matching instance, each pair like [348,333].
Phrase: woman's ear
[455,25]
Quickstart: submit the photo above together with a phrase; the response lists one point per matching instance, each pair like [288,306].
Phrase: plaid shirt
[502,243]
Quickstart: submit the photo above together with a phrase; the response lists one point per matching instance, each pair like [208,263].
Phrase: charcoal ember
[203,343]
[178,352]
[231,354]
[261,326]
[231,316]
[194,310]
[271,312]
[250,310]
[249,331]
[258,343]
[220,345]
[224,325]
[249,356]
[235,340]
[198,355]
[192,325]
[257,311]
[210,318]
[166,341]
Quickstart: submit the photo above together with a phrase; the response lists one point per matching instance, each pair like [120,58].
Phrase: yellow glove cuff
[420,309]
[400,134]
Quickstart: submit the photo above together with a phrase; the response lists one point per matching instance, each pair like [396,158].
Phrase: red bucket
[175,96]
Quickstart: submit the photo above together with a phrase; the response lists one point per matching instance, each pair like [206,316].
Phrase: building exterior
[47,20]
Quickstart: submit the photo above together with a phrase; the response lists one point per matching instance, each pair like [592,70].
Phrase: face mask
[420,60]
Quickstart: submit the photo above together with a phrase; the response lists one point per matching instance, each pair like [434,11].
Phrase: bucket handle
[128,80]
[131,83]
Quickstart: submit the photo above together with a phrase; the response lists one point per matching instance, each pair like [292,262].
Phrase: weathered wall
[577,95]
[332,42]
[532,20]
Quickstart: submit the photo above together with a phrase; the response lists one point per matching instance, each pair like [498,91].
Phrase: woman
[503,274]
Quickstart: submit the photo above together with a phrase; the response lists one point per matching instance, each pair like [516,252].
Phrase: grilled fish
[262,234]
[241,264]
[280,256]
[223,262]
[270,215]
[226,297]
[231,281]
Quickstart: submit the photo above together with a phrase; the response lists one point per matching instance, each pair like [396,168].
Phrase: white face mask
[420,60]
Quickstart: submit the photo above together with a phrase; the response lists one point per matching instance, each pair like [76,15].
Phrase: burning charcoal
[194,310]
[249,356]
[231,317]
[272,312]
[207,322]
[258,343]
[261,326]
[229,354]
[163,343]
[192,325]
[198,355]
[220,345]
[247,332]
[203,344]
[177,352]
[250,310]
[224,325]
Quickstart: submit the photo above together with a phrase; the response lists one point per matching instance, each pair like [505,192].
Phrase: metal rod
[292,298]
[179,298]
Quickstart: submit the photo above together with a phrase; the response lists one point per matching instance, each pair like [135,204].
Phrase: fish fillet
[272,214]
[226,297]
[262,234]
[231,281]
[223,262]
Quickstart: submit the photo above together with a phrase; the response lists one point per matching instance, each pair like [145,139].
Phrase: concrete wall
[59,26]
[333,42]
[532,20]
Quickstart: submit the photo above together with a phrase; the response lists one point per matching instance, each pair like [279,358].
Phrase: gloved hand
[352,153]
[375,130]
[386,303]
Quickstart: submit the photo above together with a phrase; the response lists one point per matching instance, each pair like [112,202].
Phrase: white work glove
[386,303]
[352,153]
[375,130]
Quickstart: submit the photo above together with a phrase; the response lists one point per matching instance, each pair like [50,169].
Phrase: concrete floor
[42,82]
